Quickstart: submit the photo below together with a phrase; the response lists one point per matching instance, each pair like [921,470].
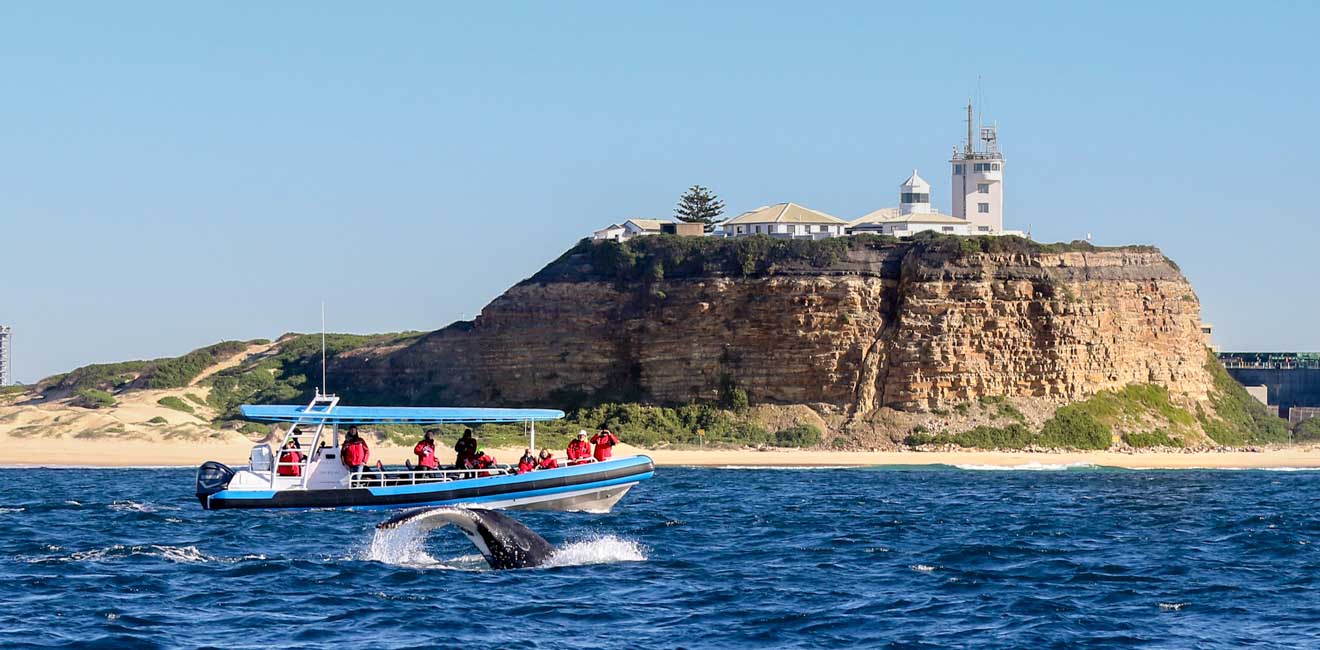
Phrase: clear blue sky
[175,174]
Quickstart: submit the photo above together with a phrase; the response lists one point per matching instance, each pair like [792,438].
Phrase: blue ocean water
[881,557]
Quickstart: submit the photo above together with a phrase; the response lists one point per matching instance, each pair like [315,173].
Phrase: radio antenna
[324,386]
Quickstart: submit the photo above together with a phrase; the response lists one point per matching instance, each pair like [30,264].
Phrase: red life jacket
[484,461]
[579,449]
[356,453]
[548,463]
[526,465]
[290,456]
[603,442]
[426,455]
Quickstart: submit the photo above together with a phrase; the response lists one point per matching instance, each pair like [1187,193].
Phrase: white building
[786,221]
[6,377]
[641,227]
[914,214]
[978,181]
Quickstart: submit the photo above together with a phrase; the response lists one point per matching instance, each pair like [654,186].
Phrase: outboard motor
[212,477]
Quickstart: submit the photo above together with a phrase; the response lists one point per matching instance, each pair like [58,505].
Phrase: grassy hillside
[169,372]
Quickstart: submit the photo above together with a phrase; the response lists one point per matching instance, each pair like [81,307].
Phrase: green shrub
[93,399]
[158,420]
[180,371]
[1241,418]
[798,435]
[962,409]
[1013,436]
[172,402]
[840,443]
[1073,427]
[1307,430]
[192,397]
[1158,438]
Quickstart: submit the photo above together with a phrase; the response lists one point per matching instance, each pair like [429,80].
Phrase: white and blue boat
[323,481]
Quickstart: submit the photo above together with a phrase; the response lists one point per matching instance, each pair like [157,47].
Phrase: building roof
[915,182]
[892,215]
[646,224]
[883,214]
[784,213]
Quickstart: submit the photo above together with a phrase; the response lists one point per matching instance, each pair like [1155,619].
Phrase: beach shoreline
[74,452]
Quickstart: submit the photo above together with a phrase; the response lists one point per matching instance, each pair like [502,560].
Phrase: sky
[177,174]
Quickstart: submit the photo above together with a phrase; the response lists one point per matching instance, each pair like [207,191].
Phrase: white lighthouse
[978,181]
[914,195]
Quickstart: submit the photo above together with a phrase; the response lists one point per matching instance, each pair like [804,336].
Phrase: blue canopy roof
[395,414]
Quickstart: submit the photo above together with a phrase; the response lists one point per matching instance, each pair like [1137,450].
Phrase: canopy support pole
[533,442]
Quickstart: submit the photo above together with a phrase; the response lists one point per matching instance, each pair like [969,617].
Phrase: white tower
[5,379]
[914,195]
[978,180]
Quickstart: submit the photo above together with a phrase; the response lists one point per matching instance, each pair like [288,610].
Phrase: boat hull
[593,487]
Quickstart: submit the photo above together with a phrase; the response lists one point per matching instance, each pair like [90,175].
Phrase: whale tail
[504,541]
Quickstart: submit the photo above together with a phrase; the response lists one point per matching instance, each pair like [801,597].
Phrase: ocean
[1050,557]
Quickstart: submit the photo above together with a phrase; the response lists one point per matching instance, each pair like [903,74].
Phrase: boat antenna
[324,387]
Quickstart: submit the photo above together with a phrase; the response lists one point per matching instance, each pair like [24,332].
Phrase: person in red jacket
[547,460]
[425,451]
[579,450]
[355,453]
[527,463]
[604,441]
[290,459]
[483,460]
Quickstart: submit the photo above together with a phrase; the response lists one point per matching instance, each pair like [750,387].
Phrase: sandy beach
[73,452]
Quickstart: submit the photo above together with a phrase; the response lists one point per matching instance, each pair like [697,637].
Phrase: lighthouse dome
[914,195]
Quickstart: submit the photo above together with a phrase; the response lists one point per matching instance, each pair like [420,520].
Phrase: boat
[323,480]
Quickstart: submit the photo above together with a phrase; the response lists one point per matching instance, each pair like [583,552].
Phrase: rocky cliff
[845,326]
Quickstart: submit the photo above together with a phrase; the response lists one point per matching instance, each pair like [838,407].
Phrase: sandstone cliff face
[905,325]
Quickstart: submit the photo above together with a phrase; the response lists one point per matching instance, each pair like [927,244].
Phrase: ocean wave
[176,554]
[10,511]
[135,506]
[778,467]
[922,568]
[1032,466]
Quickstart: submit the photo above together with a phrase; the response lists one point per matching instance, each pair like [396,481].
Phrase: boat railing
[371,477]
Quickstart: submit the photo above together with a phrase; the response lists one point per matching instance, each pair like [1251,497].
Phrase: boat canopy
[392,414]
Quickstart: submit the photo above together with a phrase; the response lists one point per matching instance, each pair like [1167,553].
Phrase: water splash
[10,511]
[603,549]
[404,546]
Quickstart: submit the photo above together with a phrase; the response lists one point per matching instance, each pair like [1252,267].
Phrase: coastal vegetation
[172,402]
[290,374]
[169,372]
[92,398]
[1239,418]
[1307,431]
[651,259]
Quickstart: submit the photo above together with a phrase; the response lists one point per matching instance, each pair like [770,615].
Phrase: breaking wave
[1032,466]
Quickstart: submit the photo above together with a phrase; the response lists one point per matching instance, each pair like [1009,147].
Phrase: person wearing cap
[604,441]
[579,450]
[482,460]
[546,460]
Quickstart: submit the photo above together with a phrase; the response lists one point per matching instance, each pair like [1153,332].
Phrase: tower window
[915,197]
[994,166]
[983,208]
[983,188]
[957,170]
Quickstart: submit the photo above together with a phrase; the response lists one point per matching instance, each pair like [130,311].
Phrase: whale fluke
[502,540]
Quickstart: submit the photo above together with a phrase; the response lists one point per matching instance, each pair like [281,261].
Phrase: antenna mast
[969,126]
[324,387]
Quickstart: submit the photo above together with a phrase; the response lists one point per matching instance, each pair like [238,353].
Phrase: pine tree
[699,205]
